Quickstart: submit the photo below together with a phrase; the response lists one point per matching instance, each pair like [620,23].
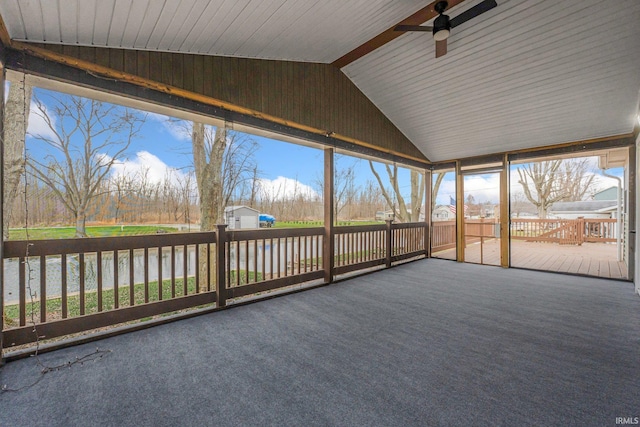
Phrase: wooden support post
[632,213]
[2,78]
[428,190]
[460,241]
[388,245]
[221,265]
[327,247]
[505,219]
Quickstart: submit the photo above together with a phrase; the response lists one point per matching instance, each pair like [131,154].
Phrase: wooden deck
[593,259]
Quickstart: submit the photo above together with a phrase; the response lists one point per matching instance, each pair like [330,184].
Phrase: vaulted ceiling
[528,73]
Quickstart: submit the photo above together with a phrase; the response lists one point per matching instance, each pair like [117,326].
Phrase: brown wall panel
[142,64]
[198,73]
[315,95]
[155,66]
[207,81]
[188,73]
[130,62]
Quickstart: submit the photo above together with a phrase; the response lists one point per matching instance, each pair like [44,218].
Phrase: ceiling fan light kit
[442,25]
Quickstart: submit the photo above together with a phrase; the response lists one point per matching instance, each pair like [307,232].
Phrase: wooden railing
[407,241]
[70,285]
[61,287]
[358,247]
[362,247]
[262,260]
[443,235]
[564,231]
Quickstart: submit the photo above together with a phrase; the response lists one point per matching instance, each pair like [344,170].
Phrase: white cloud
[178,129]
[483,188]
[37,126]
[148,165]
[283,188]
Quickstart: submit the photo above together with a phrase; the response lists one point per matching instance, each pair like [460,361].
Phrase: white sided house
[584,209]
[241,217]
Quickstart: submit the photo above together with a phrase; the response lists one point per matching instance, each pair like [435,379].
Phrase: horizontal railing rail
[65,286]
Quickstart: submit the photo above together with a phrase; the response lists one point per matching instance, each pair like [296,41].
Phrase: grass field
[42,233]
[94,231]
[303,224]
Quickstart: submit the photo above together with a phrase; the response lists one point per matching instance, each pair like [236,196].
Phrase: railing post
[387,258]
[428,178]
[328,246]
[221,265]
[581,225]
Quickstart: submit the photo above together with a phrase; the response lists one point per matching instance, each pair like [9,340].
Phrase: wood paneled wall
[315,95]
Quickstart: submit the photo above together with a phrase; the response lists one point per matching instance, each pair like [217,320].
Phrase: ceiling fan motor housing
[441,28]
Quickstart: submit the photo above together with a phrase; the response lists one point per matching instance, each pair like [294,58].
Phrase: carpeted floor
[429,343]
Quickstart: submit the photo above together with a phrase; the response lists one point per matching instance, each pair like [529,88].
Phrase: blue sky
[164,145]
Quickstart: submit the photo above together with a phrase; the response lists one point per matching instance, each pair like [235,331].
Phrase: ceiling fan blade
[412,28]
[476,10]
[441,48]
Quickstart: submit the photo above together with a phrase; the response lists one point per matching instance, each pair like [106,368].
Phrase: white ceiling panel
[314,31]
[528,73]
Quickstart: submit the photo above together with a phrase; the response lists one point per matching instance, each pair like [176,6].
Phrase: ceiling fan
[442,25]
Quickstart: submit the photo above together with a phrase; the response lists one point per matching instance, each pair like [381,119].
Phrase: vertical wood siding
[316,95]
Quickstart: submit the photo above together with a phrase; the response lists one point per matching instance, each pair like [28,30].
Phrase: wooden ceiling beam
[5,39]
[420,17]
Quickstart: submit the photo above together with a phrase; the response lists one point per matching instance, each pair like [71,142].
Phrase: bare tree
[85,139]
[208,153]
[541,177]
[239,168]
[15,129]
[344,188]
[436,190]
[403,213]
[548,182]
[254,187]
[575,178]
[224,163]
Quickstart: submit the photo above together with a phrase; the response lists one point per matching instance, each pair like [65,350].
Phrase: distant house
[390,215]
[603,205]
[610,193]
[241,217]
[584,209]
[442,213]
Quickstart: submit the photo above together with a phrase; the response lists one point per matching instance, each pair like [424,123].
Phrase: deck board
[593,259]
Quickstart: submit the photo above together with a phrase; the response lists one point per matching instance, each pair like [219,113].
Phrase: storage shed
[241,217]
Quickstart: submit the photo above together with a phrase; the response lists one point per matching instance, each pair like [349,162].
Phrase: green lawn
[97,231]
[304,224]
[42,233]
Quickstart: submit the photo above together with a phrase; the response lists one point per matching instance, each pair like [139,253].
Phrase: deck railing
[564,231]
[443,235]
[359,247]
[67,286]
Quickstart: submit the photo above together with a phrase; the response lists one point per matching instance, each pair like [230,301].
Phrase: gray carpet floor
[429,343]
